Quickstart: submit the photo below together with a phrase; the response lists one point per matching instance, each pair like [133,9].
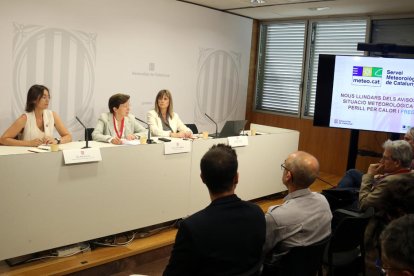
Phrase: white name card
[238,141]
[74,156]
[177,146]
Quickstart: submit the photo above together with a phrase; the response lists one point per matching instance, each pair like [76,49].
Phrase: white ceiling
[282,9]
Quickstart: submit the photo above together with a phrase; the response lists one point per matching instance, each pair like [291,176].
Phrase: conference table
[46,203]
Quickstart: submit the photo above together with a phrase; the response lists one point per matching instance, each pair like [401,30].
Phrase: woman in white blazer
[117,125]
[164,121]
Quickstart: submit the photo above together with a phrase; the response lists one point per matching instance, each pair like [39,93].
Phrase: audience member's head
[300,170]
[397,198]
[397,155]
[219,169]
[397,246]
[409,137]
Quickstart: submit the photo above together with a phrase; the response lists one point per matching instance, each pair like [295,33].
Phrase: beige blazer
[105,131]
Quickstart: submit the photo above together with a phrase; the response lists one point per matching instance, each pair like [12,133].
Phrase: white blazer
[105,131]
[154,120]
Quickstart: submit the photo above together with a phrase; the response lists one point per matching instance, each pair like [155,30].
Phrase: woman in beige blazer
[117,125]
[164,121]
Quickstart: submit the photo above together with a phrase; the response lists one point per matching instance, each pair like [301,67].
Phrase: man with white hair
[396,160]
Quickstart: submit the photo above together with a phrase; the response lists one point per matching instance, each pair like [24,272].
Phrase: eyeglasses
[283,167]
[386,158]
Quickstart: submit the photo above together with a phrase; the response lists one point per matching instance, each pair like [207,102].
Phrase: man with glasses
[396,160]
[397,247]
[353,177]
[305,217]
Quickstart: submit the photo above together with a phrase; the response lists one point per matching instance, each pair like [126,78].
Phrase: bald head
[304,168]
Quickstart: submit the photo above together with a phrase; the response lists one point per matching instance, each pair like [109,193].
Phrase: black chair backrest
[193,128]
[339,198]
[301,260]
[349,233]
[88,133]
[347,240]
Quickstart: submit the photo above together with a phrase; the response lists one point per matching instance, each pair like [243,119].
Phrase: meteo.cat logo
[368,76]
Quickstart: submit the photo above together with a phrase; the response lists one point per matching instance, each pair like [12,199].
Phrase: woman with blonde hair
[164,121]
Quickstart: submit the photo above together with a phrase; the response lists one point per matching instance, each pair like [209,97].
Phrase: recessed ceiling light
[319,9]
[257,1]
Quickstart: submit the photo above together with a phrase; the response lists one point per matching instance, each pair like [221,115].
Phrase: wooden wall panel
[329,145]
[372,141]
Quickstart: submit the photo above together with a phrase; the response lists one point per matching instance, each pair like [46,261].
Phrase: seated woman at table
[164,121]
[117,124]
[36,126]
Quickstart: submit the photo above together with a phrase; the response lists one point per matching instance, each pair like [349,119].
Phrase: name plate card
[74,156]
[177,146]
[238,141]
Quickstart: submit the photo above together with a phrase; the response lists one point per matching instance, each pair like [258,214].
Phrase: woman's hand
[186,134]
[131,137]
[36,142]
[177,135]
[49,140]
[116,141]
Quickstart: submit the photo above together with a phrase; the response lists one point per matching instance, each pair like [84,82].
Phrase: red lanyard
[118,134]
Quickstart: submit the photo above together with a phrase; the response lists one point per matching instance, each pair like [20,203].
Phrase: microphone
[243,130]
[86,132]
[149,141]
[211,119]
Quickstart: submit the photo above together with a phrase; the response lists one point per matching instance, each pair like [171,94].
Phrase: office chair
[346,246]
[88,133]
[299,261]
[193,128]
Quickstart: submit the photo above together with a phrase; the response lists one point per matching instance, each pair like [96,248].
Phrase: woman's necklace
[119,134]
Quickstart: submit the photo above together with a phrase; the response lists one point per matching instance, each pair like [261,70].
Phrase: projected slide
[373,93]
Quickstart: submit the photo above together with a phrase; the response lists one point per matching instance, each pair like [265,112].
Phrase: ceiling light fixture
[319,9]
[257,1]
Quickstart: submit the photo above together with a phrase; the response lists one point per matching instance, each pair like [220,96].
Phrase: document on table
[130,142]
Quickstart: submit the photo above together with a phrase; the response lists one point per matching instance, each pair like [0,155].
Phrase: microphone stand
[149,141]
[86,133]
[216,136]
[243,131]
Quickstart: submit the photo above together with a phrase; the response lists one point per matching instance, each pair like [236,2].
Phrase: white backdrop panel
[85,51]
